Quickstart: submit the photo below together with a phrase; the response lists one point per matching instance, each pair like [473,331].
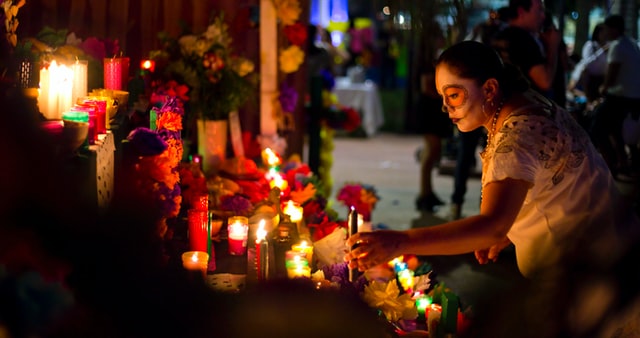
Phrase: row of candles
[62,85]
[202,228]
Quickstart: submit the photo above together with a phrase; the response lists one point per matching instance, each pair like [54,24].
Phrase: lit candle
[270,158]
[64,85]
[298,271]
[79,80]
[295,261]
[294,210]
[405,277]
[278,182]
[92,112]
[198,222]
[195,261]
[238,227]
[149,65]
[56,87]
[392,263]
[305,249]
[262,252]
[422,302]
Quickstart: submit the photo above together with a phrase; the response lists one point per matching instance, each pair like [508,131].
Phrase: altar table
[363,97]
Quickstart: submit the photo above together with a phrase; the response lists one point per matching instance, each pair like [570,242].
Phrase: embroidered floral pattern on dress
[558,143]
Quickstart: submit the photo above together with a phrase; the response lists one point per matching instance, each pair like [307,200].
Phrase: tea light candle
[294,210]
[270,158]
[296,261]
[405,277]
[279,182]
[79,79]
[299,271]
[238,228]
[422,302]
[195,261]
[91,111]
[305,249]
[149,65]
[290,255]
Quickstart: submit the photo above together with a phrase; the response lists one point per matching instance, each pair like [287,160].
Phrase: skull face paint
[455,96]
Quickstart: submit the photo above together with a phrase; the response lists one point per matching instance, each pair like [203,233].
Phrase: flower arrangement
[159,153]
[360,196]
[291,56]
[393,290]
[193,183]
[219,80]
[10,9]
[65,47]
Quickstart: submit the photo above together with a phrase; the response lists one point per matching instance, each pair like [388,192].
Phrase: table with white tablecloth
[365,98]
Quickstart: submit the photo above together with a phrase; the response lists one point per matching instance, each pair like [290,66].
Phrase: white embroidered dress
[571,189]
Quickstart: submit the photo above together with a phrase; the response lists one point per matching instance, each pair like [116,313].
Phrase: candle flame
[261,233]
[194,257]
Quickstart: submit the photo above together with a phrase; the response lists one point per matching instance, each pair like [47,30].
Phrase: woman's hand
[491,254]
[369,249]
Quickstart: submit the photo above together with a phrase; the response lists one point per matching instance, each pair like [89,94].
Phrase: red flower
[296,34]
[320,231]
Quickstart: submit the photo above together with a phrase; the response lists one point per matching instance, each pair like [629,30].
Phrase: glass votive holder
[299,271]
[201,202]
[198,222]
[196,261]
[305,249]
[238,232]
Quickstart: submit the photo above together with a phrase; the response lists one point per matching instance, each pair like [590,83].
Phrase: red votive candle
[238,228]
[201,202]
[92,136]
[198,223]
[101,109]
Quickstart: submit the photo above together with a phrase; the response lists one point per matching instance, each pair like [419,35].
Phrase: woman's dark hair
[596,32]
[479,62]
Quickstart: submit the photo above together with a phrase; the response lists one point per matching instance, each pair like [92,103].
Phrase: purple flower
[172,104]
[288,98]
[339,273]
[147,142]
[328,81]
[238,204]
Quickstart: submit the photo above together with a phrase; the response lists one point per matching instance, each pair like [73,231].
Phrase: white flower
[73,40]
[188,44]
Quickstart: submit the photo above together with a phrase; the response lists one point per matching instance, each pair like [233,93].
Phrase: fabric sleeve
[514,158]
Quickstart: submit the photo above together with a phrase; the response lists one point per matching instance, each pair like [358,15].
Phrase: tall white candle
[64,85]
[43,93]
[79,80]
[268,67]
